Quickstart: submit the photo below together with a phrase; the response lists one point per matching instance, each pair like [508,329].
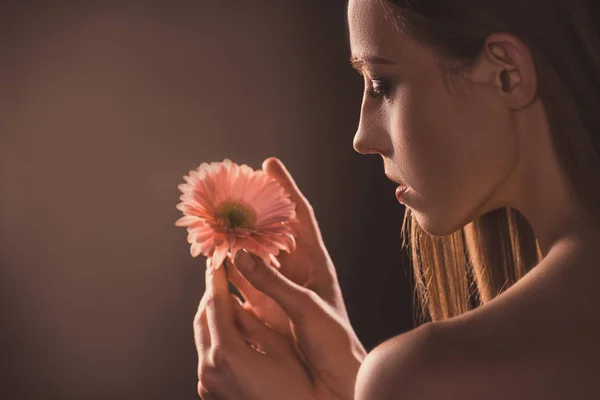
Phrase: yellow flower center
[235,215]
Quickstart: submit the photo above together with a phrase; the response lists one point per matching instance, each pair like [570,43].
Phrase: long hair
[471,266]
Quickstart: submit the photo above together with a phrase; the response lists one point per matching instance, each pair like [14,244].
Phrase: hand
[325,340]
[309,265]
[228,368]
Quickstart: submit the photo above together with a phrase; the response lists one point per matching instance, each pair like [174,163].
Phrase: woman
[488,111]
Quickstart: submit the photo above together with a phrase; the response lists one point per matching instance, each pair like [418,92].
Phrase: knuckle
[203,372]
[202,392]
[206,372]
[197,320]
[200,311]
[307,303]
[266,275]
[218,359]
[210,373]
[304,205]
[308,297]
[210,302]
[205,296]
[207,382]
[309,210]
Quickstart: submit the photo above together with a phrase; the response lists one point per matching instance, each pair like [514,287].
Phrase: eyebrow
[358,62]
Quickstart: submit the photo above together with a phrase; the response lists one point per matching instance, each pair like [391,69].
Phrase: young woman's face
[454,151]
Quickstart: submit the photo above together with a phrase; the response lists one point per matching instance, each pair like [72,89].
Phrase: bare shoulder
[397,366]
[435,361]
[538,340]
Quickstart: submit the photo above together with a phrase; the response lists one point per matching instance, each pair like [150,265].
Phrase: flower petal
[186,220]
[211,184]
[195,249]
[274,261]
[220,254]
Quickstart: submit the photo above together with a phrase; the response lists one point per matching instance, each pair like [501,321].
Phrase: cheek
[450,149]
[431,143]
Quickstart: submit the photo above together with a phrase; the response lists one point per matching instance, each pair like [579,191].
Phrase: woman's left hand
[228,367]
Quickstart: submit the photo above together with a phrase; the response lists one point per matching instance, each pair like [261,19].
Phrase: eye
[379,87]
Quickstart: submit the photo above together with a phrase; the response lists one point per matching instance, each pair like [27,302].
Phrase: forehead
[370,32]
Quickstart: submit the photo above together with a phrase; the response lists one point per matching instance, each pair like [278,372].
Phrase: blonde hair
[471,265]
[482,259]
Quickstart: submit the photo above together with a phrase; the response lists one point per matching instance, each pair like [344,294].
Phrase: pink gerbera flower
[228,207]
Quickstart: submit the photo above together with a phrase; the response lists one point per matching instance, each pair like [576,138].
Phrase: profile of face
[456,150]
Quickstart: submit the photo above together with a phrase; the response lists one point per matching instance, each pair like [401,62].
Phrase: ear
[505,63]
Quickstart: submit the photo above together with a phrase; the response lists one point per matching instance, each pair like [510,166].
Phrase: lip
[401,192]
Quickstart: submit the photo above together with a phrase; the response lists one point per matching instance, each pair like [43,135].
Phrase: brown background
[103,107]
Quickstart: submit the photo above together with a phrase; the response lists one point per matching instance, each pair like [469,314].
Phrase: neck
[546,196]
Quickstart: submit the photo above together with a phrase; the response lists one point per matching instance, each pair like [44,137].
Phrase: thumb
[297,301]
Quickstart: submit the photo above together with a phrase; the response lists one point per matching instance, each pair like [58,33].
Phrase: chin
[438,225]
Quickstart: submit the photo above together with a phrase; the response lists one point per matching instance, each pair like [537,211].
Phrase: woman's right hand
[305,285]
[309,265]
[326,342]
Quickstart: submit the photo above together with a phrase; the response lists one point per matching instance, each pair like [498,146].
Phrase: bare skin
[535,341]
[539,338]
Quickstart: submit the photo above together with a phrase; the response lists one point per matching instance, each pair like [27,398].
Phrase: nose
[371,136]
[363,143]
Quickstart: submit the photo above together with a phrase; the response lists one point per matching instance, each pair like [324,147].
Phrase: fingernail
[244,262]
[237,300]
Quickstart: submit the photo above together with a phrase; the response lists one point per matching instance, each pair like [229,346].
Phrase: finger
[275,169]
[249,292]
[201,336]
[297,301]
[219,309]
[257,333]
[268,305]
[321,280]
[309,234]
[268,310]
[201,332]
[237,308]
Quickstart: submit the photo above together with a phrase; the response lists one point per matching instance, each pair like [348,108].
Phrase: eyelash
[381,90]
